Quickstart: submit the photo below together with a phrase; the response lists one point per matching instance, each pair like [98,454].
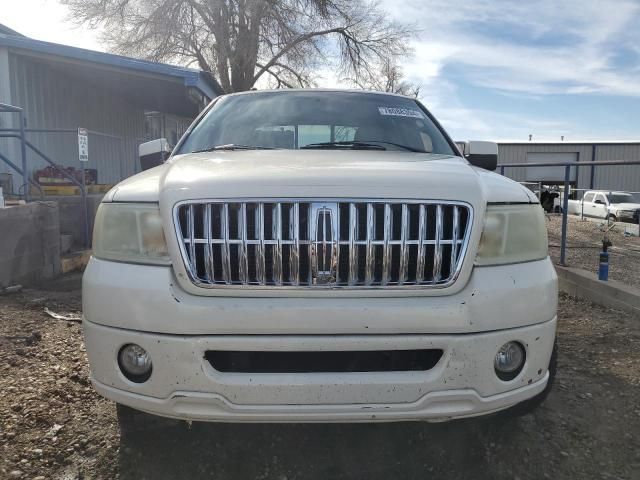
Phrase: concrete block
[71,216]
[613,294]
[630,229]
[29,243]
[75,262]
[66,242]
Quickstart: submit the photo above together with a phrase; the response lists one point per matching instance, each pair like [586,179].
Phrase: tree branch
[290,46]
[276,76]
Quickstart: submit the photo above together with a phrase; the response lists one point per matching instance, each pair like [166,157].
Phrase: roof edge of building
[576,142]
[191,77]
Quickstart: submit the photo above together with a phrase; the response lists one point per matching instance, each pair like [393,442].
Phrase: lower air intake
[323,362]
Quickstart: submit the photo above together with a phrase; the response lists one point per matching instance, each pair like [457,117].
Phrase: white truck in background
[614,206]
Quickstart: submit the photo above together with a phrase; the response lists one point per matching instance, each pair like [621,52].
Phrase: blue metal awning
[191,78]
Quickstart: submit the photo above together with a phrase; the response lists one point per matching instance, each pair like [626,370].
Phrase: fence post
[23,153]
[502,170]
[83,193]
[565,212]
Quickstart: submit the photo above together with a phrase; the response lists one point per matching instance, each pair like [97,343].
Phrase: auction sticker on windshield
[400,112]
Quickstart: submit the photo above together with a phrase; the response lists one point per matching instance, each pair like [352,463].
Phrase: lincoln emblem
[324,246]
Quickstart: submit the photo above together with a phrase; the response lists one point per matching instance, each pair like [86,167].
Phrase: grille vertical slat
[422,233]
[353,255]
[454,235]
[277,236]
[311,246]
[226,253]
[293,243]
[260,263]
[404,251]
[208,248]
[242,230]
[386,253]
[335,251]
[371,229]
[191,227]
[437,256]
[294,252]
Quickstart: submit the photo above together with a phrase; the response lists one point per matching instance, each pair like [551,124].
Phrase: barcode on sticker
[400,112]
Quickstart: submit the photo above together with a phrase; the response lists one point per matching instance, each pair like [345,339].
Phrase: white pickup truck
[316,256]
[614,206]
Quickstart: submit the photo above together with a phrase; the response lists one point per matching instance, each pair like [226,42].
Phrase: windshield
[621,198]
[293,120]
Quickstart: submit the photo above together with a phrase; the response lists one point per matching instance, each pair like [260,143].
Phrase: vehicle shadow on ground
[324,451]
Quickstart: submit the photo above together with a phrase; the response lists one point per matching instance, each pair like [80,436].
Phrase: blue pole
[23,153]
[565,211]
[603,267]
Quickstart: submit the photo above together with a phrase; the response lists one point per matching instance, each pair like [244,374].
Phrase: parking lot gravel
[584,242]
[53,425]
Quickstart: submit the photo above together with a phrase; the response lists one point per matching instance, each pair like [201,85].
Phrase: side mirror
[599,202]
[153,153]
[481,154]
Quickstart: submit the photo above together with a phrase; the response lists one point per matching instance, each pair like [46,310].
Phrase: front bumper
[140,304]
[630,216]
[184,385]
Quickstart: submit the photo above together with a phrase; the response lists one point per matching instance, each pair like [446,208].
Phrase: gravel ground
[584,241]
[53,426]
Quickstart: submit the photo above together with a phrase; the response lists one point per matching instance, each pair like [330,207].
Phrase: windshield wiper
[364,144]
[354,145]
[232,146]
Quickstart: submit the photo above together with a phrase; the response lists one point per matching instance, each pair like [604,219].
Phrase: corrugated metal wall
[625,178]
[53,99]
[7,120]
[613,178]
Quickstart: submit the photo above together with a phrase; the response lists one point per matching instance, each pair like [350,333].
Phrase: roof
[323,89]
[9,31]
[198,79]
[576,142]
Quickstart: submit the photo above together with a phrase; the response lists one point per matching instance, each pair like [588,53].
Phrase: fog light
[509,360]
[135,363]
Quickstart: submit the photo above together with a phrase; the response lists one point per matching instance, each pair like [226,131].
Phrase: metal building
[121,101]
[625,178]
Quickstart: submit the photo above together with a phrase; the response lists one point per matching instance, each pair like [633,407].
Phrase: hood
[317,174]
[626,206]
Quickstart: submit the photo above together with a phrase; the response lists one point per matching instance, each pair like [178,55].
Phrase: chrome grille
[335,243]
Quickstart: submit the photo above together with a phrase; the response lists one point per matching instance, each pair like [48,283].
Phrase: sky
[489,69]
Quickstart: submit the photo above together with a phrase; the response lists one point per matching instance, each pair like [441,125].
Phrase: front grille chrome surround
[323,243]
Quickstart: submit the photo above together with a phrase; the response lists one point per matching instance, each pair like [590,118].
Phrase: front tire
[133,421]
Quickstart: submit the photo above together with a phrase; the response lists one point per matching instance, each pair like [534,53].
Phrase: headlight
[129,232]
[512,234]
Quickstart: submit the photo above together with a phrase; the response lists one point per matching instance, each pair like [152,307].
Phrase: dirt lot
[585,243]
[53,426]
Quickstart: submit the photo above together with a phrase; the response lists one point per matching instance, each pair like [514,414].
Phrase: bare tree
[390,78]
[241,42]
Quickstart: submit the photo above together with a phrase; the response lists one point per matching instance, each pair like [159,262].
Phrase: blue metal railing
[20,134]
